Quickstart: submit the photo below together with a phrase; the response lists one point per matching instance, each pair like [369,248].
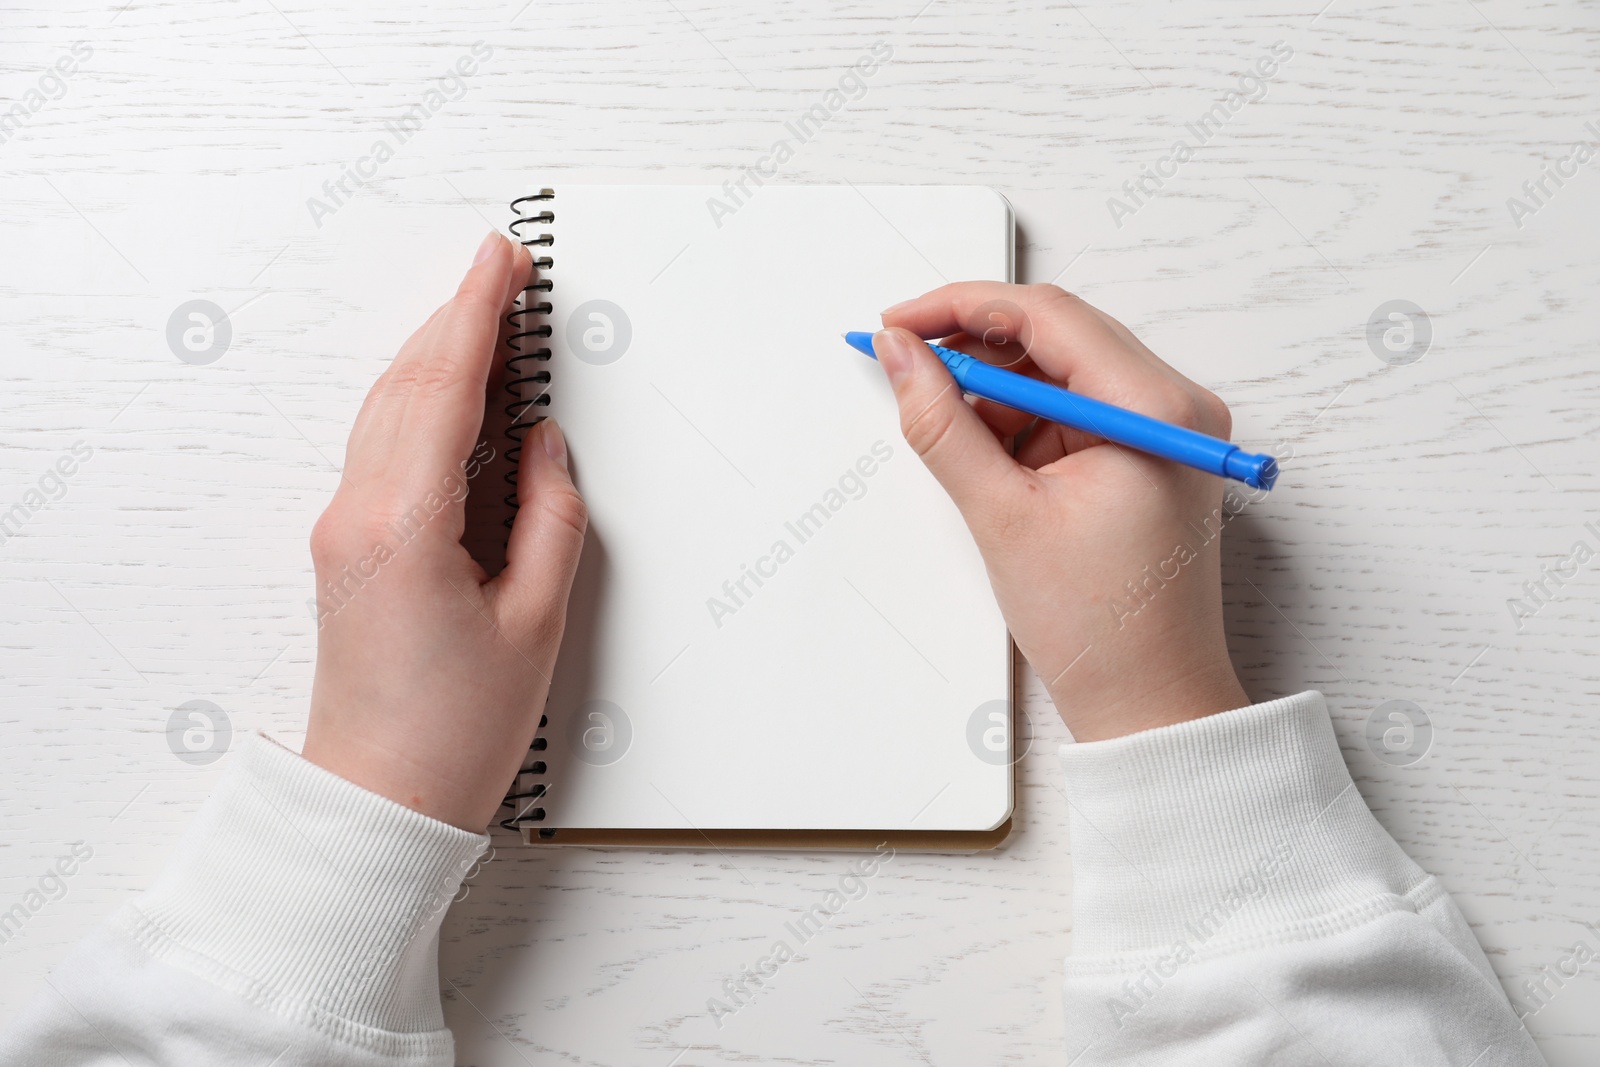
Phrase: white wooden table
[175,162]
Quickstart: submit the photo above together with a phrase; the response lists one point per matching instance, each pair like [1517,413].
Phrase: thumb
[546,538]
[955,444]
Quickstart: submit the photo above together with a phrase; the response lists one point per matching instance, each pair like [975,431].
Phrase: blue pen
[1124,427]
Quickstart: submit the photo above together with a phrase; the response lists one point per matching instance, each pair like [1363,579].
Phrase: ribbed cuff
[310,896]
[1220,831]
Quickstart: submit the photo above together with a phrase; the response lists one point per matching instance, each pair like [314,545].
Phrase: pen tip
[861,342]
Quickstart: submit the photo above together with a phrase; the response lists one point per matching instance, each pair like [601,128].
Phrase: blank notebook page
[780,621]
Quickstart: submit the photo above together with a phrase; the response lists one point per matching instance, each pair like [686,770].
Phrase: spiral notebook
[780,633]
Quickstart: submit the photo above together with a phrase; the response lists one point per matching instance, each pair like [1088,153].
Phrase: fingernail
[485,250]
[894,355]
[892,308]
[555,442]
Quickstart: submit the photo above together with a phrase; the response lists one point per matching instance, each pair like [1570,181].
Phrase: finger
[1001,345]
[444,378]
[377,424]
[941,427]
[1004,421]
[498,403]
[1139,348]
[419,345]
[1043,447]
[1064,336]
[376,434]
[1051,441]
[546,540]
[1048,441]
[1008,421]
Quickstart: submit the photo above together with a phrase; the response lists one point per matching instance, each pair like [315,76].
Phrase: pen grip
[1084,413]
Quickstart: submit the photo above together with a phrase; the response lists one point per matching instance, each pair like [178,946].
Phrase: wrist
[398,776]
[1181,699]
[1183,677]
[1164,663]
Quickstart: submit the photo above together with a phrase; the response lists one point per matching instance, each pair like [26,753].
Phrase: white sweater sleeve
[298,924]
[1236,903]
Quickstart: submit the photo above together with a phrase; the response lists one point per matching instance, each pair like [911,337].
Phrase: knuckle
[1063,299]
[1048,291]
[1046,294]
[401,378]
[566,507]
[1190,406]
[348,531]
[930,427]
[476,300]
[1172,403]
[329,538]
[1070,310]
[426,377]
[1217,417]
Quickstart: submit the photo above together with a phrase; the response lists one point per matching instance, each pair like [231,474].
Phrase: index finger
[1066,338]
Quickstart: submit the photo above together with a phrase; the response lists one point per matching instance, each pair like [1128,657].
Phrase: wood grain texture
[177,162]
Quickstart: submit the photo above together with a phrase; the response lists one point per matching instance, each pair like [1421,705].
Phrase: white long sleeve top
[1235,903]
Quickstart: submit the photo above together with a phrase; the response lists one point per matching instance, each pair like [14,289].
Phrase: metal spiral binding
[527,364]
[522,799]
[527,412]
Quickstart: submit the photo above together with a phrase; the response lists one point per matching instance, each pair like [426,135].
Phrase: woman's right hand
[1105,561]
